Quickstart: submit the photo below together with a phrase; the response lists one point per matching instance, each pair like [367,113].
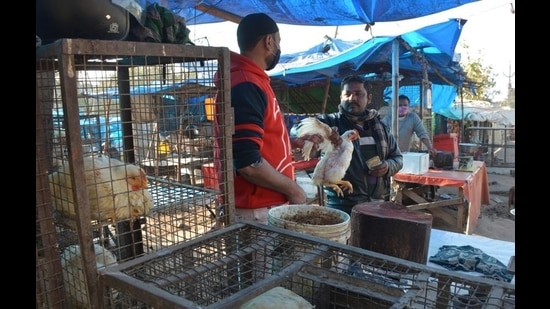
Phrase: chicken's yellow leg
[347,186]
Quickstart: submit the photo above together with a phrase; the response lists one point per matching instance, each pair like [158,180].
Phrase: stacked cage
[230,267]
[134,205]
[128,161]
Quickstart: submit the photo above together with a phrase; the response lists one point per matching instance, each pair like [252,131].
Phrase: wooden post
[325,99]
[392,229]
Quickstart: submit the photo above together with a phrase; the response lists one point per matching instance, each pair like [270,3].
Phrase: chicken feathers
[335,159]
[278,297]
[310,126]
[116,190]
[73,273]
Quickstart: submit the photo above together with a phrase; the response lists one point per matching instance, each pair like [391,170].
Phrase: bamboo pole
[325,99]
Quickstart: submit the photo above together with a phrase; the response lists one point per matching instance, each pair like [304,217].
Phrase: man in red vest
[262,152]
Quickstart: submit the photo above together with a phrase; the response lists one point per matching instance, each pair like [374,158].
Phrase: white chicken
[73,273]
[276,298]
[335,160]
[116,190]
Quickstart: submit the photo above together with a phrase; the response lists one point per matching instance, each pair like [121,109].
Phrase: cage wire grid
[125,148]
[183,251]
[228,267]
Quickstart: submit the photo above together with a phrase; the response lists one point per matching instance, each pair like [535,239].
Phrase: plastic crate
[446,142]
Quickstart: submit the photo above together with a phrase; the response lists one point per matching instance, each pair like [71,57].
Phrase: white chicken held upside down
[336,157]
[116,190]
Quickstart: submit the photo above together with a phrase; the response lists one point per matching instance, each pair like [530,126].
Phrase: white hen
[335,160]
[73,273]
[116,190]
[277,298]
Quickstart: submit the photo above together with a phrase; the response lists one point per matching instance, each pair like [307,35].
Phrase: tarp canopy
[306,12]
[194,87]
[183,101]
[443,96]
[474,110]
[432,45]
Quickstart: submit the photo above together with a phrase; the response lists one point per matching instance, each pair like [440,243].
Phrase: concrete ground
[496,221]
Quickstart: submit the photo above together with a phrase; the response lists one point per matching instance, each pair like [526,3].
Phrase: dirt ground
[496,221]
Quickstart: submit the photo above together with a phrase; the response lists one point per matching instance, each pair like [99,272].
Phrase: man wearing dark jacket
[372,183]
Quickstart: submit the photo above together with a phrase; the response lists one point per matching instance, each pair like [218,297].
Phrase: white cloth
[499,249]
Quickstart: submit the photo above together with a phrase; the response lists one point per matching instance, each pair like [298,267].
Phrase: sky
[489,33]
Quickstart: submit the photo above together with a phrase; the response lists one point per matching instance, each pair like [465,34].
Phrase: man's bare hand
[316,139]
[379,170]
[335,137]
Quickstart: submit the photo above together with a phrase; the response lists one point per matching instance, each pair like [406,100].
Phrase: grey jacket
[409,125]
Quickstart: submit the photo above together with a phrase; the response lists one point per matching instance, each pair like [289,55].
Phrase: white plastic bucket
[320,221]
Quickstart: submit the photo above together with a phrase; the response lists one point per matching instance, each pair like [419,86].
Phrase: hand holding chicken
[337,152]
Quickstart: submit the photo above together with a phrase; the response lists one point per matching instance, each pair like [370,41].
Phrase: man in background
[409,124]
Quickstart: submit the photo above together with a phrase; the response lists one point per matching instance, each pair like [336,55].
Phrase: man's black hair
[356,78]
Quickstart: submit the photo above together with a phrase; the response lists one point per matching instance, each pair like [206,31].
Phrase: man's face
[354,98]
[403,107]
[273,58]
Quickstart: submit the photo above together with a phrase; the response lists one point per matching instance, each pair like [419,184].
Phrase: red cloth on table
[475,185]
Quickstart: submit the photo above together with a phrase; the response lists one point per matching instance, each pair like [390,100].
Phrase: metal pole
[395,89]
[462,129]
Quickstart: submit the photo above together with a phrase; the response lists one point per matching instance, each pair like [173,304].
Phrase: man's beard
[352,107]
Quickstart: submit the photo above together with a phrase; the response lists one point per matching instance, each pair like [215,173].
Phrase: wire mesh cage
[126,145]
[230,267]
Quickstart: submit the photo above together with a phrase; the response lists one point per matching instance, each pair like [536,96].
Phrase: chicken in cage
[123,144]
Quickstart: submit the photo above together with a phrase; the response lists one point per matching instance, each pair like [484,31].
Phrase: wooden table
[173,166]
[472,191]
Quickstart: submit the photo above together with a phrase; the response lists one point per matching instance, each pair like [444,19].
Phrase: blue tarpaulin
[336,58]
[308,12]
[443,96]
[364,57]
[433,45]
[179,101]
[479,111]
